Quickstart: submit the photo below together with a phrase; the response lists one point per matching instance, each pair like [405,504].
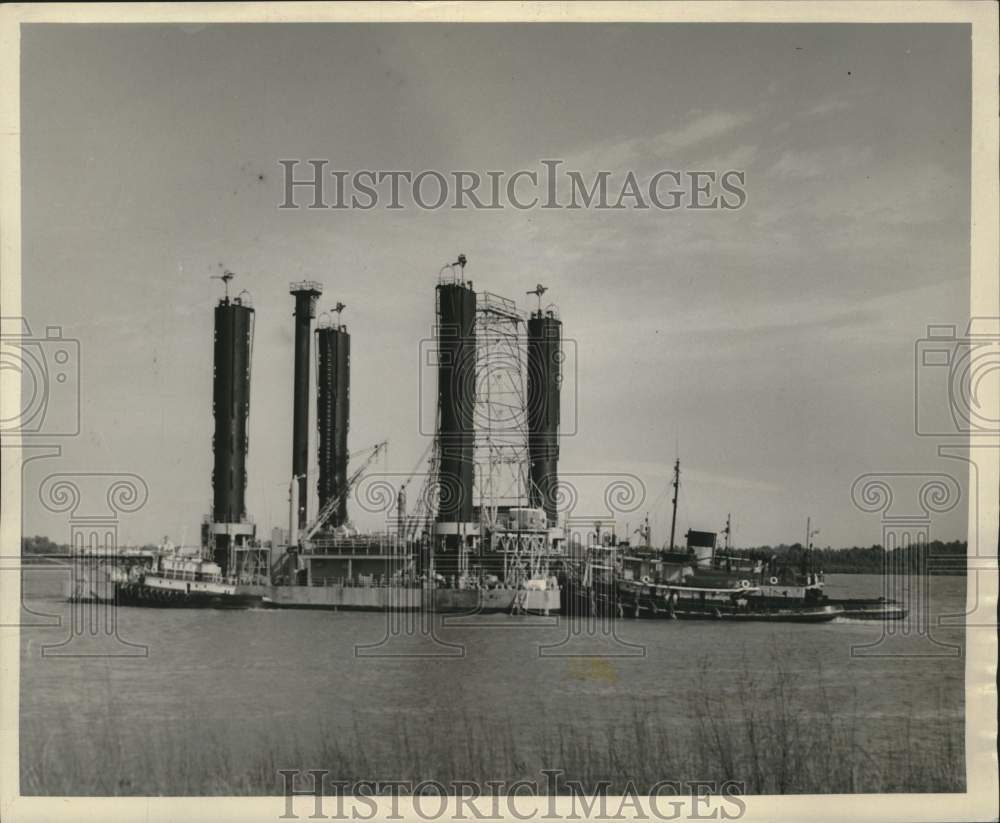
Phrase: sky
[771,347]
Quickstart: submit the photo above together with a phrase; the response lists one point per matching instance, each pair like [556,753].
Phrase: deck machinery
[488,507]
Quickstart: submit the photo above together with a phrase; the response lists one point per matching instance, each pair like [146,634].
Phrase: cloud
[703,129]
[739,158]
[828,107]
[807,163]
[798,164]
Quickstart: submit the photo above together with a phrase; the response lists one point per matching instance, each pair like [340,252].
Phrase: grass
[774,734]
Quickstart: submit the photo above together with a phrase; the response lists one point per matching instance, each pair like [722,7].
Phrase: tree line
[935,557]
[41,545]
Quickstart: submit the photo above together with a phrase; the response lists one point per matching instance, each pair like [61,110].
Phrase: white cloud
[828,107]
[703,129]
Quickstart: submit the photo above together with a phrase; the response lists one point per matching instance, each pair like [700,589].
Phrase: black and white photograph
[503,411]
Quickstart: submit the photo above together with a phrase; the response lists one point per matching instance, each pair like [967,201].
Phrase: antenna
[538,291]
[225,277]
[676,484]
[810,532]
[339,308]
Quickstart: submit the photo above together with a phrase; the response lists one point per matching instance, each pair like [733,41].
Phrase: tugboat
[704,586]
[623,581]
[160,578]
[182,582]
[701,583]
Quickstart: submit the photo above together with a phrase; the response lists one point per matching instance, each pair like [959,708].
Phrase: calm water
[251,676]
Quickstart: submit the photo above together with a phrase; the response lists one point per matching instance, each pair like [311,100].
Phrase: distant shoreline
[63,559]
[42,559]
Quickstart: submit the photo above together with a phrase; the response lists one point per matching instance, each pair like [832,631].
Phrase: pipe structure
[333,404]
[234,323]
[544,383]
[456,305]
[306,294]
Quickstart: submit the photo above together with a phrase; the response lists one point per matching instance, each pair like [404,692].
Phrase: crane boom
[333,502]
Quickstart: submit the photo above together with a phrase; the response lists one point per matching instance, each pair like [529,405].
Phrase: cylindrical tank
[544,383]
[456,304]
[306,294]
[333,399]
[231,408]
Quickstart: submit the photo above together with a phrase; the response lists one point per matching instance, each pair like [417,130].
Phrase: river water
[242,683]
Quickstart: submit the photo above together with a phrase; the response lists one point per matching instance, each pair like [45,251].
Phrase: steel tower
[333,399]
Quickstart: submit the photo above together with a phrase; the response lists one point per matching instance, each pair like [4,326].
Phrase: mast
[810,534]
[728,530]
[805,555]
[677,483]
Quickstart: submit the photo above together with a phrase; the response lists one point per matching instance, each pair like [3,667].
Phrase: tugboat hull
[851,608]
[821,614]
[880,609]
[136,594]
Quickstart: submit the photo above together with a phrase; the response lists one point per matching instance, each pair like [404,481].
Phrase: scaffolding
[500,410]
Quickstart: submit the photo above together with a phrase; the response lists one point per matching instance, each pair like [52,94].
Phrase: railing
[357,546]
[451,274]
[325,322]
[383,582]
[364,582]
[495,304]
[120,554]
[551,311]
[208,520]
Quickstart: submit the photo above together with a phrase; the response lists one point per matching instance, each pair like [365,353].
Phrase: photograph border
[978,802]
